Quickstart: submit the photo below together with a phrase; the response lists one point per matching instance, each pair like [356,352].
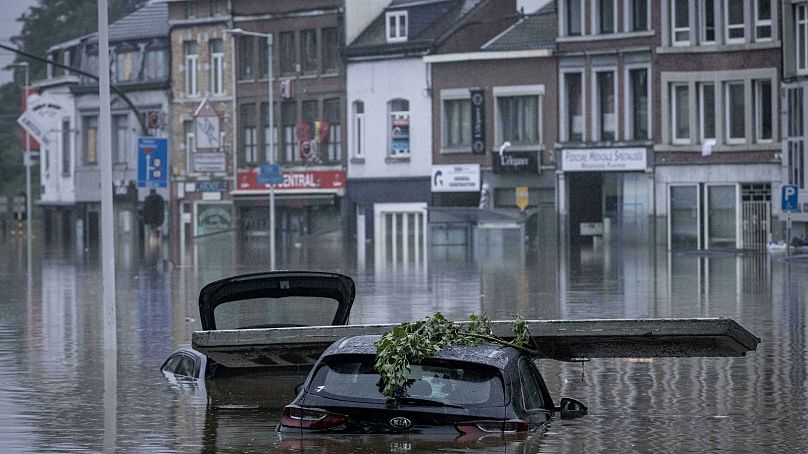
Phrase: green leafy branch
[411,342]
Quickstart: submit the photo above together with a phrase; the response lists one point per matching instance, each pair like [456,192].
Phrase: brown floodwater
[61,390]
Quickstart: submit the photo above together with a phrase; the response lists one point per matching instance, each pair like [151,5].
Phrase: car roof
[498,356]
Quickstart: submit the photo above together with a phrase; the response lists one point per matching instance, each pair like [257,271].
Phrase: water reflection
[53,380]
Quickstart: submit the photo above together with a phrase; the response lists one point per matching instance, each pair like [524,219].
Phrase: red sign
[294,181]
[33,143]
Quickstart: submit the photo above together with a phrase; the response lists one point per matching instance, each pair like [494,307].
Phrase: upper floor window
[605,106]
[191,60]
[263,56]
[638,104]
[399,127]
[680,113]
[396,26]
[330,49]
[358,134]
[246,57]
[308,51]
[216,66]
[706,111]
[638,12]
[216,8]
[734,29]
[190,10]
[795,143]
[574,17]
[331,114]
[457,124]
[763,104]
[120,139]
[289,134]
[66,140]
[801,36]
[735,118]
[573,105]
[156,65]
[126,68]
[190,137]
[707,21]
[606,17]
[680,22]
[249,137]
[269,135]
[519,120]
[763,19]
[288,53]
[90,140]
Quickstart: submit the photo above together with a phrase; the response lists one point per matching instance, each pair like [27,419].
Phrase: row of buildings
[406,122]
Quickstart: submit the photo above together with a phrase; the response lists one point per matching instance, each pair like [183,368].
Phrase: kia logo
[400,423]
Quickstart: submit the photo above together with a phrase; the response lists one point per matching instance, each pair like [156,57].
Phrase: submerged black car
[462,391]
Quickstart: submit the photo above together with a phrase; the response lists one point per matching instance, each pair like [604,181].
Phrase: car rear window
[351,377]
[275,312]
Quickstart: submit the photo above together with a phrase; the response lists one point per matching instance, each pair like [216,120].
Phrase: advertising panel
[456,178]
[327,180]
[603,159]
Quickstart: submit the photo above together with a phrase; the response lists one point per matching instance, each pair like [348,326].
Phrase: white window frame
[563,17]
[391,114]
[700,88]
[628,102]
[452,94]
[763,22]
[757,86]
[358,141]
[564,105]
[596,8]
[398,33]
[804,45]
[727,112]
[728,26]
[536,91]
[596,128]
[217,72]
[628,16]
[674,29]
[703,24]
[679,140]
[191,73]
[190,142]
[251,133]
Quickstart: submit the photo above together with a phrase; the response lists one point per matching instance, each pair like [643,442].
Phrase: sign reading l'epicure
[604,159]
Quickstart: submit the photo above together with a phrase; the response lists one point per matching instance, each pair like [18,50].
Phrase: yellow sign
[521,197]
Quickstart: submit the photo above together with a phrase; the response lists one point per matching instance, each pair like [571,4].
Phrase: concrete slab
[564,340]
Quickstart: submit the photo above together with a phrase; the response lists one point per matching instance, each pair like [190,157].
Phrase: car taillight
[310,418]
[510,426]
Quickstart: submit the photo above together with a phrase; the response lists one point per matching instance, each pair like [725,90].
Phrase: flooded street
[52,384]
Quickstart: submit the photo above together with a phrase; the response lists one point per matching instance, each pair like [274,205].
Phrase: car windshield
[444,382]
[275,312]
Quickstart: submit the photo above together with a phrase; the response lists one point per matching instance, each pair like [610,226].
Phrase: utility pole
[28,163]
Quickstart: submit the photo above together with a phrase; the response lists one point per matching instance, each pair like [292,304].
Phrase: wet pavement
[55,395]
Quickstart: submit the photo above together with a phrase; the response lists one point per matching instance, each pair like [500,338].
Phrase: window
[216,8]
[680,20]
[66,139]
[574,107]
[606,17]
[575,17]
[246,58]
[190,10]
[707,21]
[190,49]
[605,108]
[734,26]
[763,110]
[519,120]
[216,66]
[263,55]
[796,143]
[358,129]
[763,20]
[330,53]
[396,26]
[331,114]
[707,111]
[680,118]
[308,51]
[249,139]
[267,135]
[288,120]
[531,392]
[734,107]
[638,15]
[120,134]
[457,124]
[638,104]
[90,140]
[801,35]
[287,53]
[156,66]
[126,67]
[190,142]
[399,128]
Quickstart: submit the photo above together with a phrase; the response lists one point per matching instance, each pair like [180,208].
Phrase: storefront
[606,193]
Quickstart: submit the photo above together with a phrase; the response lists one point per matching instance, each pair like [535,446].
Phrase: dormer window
[396,26]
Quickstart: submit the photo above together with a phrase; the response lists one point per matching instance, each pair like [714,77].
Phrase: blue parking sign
[152,162]
[789,197]
[270,174]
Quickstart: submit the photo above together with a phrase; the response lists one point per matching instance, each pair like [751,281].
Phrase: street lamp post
[27,161]
[268,36]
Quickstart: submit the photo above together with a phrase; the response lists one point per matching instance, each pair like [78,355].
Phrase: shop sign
[603,159]
[26,92]
[294,181]
[456,178]
[516,162]
[43,114]
[522,197]
[478,121]
[208,162]
[213,217]
[212,186]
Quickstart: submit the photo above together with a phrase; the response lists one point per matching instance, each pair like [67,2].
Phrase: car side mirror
[298,388]
[571,408]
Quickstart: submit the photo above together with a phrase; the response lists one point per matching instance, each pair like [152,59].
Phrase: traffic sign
[789,197]
[152,162]
[270,174]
